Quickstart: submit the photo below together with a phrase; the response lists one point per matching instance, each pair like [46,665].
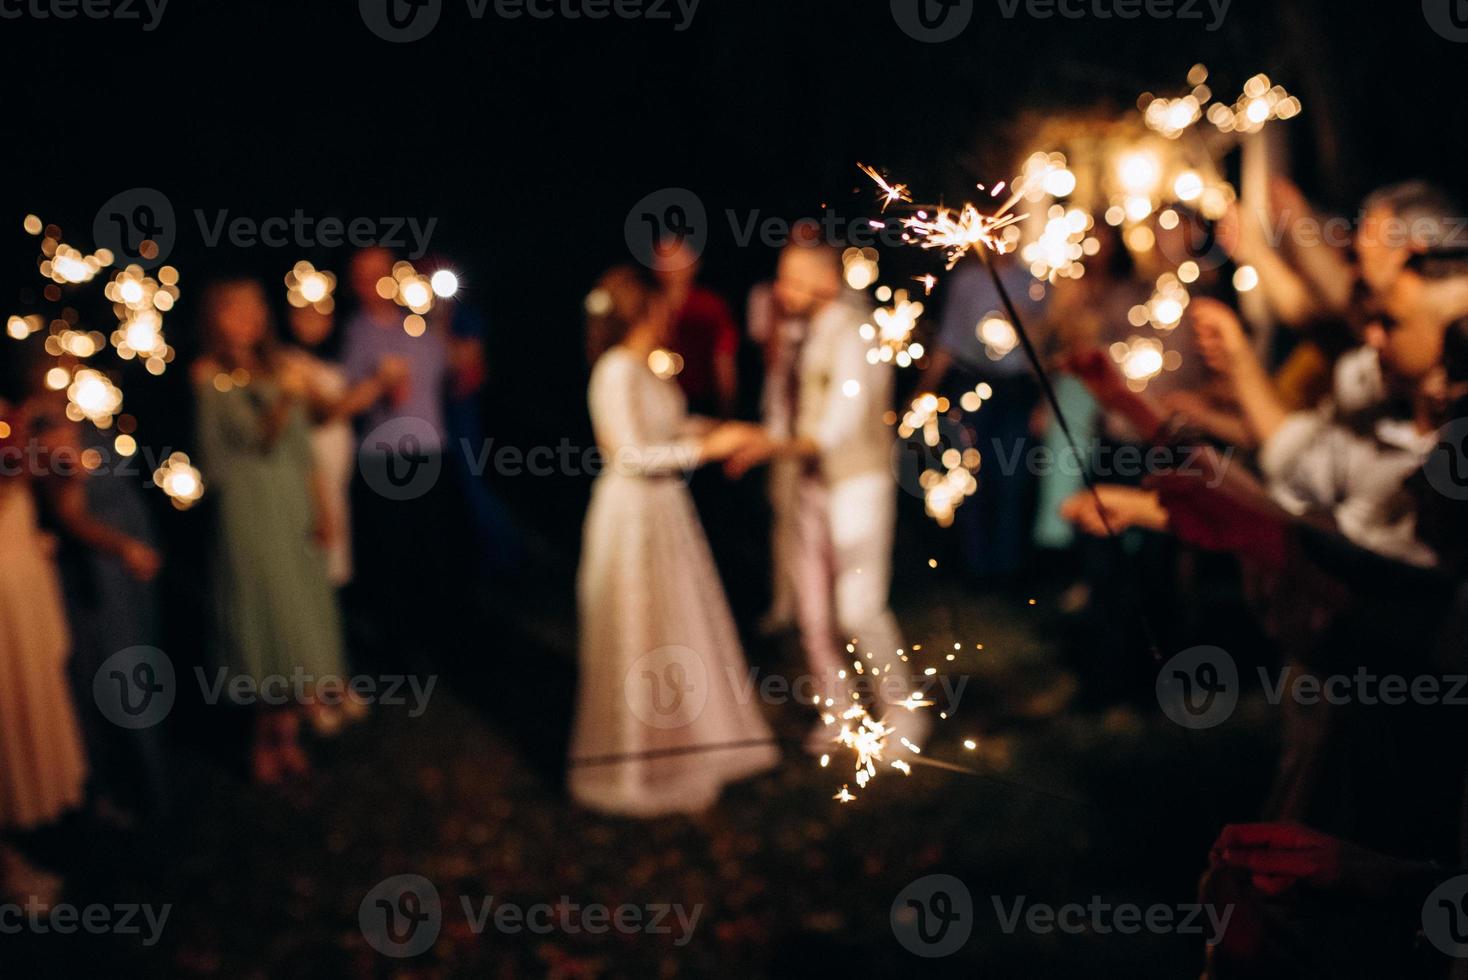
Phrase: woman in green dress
[276,619]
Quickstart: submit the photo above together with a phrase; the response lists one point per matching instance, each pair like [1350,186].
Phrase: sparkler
[1058,251]
[416,292]
[983,234]
[943,489]
[91,395]
[305,286]
[868,739]
[891,193]
[859,267]
[1260,102]
[139,302]
[178,478]
[891,333]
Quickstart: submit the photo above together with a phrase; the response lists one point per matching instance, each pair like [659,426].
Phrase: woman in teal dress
[276,616]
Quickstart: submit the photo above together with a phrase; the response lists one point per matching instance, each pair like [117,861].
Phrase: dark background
[529,140]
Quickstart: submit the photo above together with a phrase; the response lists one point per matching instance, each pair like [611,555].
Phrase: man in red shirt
[704,335]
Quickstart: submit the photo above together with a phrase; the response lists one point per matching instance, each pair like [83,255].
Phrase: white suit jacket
[843,397]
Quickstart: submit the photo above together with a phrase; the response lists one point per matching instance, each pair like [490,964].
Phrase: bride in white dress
[666,714]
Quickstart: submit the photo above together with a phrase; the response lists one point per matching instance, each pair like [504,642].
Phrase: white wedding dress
[667,711]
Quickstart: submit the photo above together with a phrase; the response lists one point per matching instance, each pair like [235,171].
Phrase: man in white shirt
[846,500]
[1351,457]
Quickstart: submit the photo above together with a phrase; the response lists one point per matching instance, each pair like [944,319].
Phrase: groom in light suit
[846,498]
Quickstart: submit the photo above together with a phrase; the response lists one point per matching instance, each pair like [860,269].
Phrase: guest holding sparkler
[500,546]
[332,403]
[651,604]
[406,436]
[275,613]
[109,561]
[43,768]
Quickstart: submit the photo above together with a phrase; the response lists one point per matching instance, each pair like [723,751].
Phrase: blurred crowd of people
[285,425]
[1328,462]
[1317,466]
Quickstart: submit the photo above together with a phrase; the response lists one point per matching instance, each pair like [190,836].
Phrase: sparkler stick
[977,232]
[1046,386]
[1042,375]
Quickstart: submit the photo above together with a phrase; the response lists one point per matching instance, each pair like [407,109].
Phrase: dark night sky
[529,140]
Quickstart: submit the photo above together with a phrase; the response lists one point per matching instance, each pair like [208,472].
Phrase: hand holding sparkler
[1115,507]
[1219,507]
[1099,374]
[1221,337]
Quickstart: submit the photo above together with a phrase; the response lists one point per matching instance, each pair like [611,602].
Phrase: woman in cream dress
[663,718]
[42,766]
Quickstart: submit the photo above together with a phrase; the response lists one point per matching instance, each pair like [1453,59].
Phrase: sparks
[891,193]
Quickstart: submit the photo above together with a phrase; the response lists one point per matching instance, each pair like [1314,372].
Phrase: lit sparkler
[178,478]
[91,395]
[306,285]
[1260,102]
[891,193]
[891,331]
[944,489]
[859,267]
[1057,253]
[139,302]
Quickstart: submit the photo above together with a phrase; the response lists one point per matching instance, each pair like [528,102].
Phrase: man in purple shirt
[411,520]
[377,331]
